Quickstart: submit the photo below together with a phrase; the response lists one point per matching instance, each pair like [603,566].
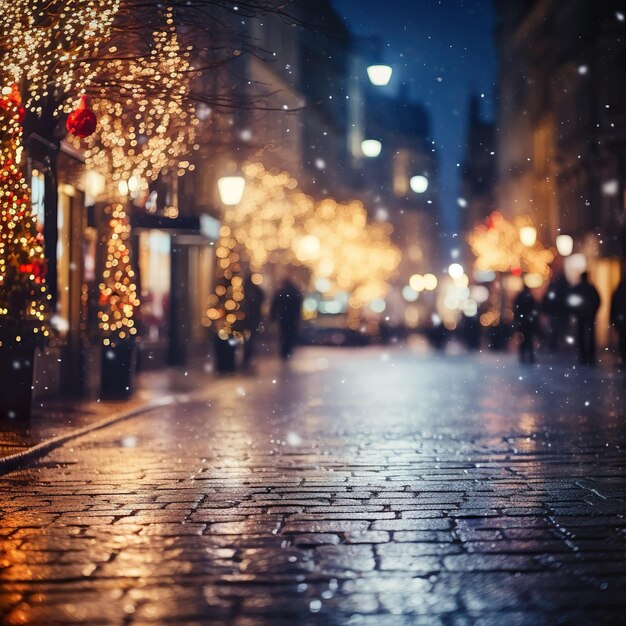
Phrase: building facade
[561,137]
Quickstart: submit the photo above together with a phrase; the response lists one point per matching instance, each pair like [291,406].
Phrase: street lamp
[528,236]
[419,184]
[371,147]
[564,245]
[379,75]
[231,189]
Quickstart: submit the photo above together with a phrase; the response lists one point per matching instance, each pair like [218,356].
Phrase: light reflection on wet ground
[372,486]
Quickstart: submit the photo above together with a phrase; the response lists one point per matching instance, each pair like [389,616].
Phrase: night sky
[442,50]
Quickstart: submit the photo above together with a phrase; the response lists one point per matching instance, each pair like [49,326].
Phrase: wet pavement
[373,487]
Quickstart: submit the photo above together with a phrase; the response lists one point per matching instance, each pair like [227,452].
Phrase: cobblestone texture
[371,487]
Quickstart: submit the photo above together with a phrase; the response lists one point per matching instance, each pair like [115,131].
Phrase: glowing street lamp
[456,271]
[231,189]
[564,245]
[528,236]
[379,75]
[371,148]
[419,184]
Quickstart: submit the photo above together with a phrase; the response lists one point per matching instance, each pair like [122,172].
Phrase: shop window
[154,268]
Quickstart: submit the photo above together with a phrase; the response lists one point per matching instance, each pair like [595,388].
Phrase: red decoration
[82,121]
[516,271]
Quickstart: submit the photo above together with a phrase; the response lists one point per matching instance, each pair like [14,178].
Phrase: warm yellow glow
[48,49]
[416,282]
[275,223]
[497,246]
[419,184]
[430,282]
[118,291]
[23,292]
[231,189]
[153,125]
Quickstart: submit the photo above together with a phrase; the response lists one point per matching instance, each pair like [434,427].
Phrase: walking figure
[618,318]
[584,301]
[525,310]
[253,297]
[286,310]
[554,306]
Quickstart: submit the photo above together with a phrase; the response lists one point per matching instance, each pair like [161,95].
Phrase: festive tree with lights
[224,313]
[22,264]
[497,246]
[118,291]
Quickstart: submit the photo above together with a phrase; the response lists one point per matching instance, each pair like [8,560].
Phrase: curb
[25,457]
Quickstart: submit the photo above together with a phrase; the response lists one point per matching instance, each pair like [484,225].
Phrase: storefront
[175,264]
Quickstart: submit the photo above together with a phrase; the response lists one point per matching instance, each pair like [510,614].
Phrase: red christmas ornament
[516,271]
[82,121]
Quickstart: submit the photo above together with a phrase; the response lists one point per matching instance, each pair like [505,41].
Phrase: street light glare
[371,148]
[231,189]
[419,184]
[456,271]
[379,75]
[564,245]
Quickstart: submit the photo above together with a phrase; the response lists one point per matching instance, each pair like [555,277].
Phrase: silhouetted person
[525,311]
[253,297]
[554,306]
[286,310]
[584,301]
[618,318]
[469,329]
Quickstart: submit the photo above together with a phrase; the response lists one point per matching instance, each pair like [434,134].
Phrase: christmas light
[118,291]
[45,46]
[498,247]
[23,293]
[153,123]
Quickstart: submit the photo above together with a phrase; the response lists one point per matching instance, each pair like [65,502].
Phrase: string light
[23,293]
[277,224]
[153,123]
[497,246]
[118,291]
[45,45]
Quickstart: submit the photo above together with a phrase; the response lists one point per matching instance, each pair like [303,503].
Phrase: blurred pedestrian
[286,310]
[525,311]
[618,318]
[554,307]
[252,305]
[584,301]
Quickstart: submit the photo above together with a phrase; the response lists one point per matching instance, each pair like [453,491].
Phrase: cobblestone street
[370,487]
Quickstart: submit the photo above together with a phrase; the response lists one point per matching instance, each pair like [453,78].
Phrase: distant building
[561,127]
[478,169]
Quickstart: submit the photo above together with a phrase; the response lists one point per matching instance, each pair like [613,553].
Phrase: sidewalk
[59,416]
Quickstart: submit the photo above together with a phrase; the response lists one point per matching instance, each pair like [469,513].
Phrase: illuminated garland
[224,304]
[23,293]
[152,123]
[46,43]
[277,224]
[497,247]
[118,291]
